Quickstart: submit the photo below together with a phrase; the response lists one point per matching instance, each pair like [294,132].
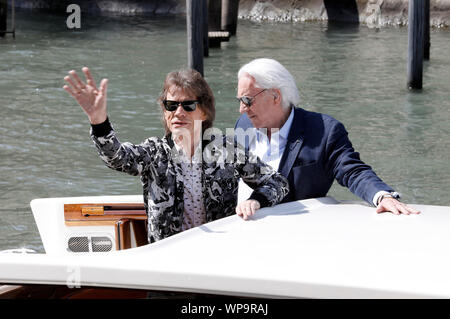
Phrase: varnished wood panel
[115,212]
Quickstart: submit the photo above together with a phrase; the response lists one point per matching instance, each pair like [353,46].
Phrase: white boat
[315,248]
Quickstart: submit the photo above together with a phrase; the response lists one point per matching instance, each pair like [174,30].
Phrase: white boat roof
[316,248]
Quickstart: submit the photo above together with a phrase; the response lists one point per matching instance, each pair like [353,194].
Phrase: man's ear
[277,96]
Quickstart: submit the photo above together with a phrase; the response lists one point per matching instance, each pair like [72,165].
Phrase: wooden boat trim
[90,212]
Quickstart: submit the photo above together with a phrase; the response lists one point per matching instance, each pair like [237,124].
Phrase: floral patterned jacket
[155,161]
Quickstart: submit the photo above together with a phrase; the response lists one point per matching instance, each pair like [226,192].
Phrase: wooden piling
[427,43]
[415,43]
[13,18]
[204,4]
[195,28]
[215,33]
[3,17]
[214,15]
[230,10]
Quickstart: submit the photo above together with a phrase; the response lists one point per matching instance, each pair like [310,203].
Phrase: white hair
[270,74]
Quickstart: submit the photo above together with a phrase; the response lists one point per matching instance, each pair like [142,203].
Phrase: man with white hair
[310,149]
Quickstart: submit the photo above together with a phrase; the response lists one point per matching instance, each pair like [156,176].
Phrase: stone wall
[373,13]
[125,7]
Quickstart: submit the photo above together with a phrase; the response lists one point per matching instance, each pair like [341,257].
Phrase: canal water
[355,74]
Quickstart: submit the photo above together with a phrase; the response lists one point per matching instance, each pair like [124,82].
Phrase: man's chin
[255,123]
[181,131]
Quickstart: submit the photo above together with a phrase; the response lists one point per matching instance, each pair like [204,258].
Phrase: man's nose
[180,111]
[243,107]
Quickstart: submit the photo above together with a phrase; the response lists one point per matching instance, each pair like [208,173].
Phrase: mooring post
[415,43]
[13,18]
[3,17]
[214,15]
[215,33]
[195,29]
[230,10]
[204,4]
[427,43]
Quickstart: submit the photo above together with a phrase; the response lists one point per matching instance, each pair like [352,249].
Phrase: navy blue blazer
[317,152]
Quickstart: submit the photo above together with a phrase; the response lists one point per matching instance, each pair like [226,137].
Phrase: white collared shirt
[268,151]
[271,151]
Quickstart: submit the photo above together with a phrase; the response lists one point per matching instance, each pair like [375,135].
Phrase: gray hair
[270,74]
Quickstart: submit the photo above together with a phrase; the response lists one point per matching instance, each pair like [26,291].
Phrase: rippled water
[356,74]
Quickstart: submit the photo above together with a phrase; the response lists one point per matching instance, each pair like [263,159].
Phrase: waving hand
[91,99]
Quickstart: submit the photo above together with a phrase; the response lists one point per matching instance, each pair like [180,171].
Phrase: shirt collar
[284,131]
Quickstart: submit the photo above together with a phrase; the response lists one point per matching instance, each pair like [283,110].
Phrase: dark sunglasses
[248,100]
[188,106]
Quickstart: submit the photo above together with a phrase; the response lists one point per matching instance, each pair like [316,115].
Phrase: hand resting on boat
[247,208]
[396,207]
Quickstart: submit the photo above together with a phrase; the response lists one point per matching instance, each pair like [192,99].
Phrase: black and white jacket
[156,162]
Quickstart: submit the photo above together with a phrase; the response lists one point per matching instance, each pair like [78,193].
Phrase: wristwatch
[394,195]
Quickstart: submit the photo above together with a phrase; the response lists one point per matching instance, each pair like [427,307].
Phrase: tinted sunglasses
[188,106]
[248,100]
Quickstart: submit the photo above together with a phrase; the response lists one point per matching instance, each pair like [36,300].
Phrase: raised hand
[91,99]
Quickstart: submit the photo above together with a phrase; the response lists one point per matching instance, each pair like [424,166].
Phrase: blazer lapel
[294,143]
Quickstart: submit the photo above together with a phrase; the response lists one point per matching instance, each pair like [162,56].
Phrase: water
[357,75]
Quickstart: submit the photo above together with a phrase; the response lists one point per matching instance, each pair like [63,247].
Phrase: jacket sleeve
[269,187]
[347,167]
[123,157]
